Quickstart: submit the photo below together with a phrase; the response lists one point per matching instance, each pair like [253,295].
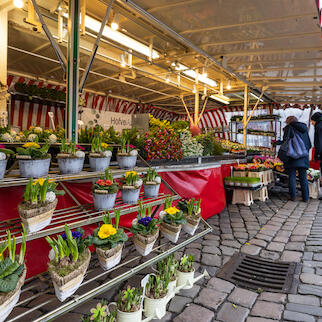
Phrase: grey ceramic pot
[34,168]
[126,162]
[151,190]
[130,196]
[104,201]
[99,164]
[70,165]
[3,165]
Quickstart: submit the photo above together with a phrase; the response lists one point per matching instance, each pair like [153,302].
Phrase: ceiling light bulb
[115,23]
[123,62]
[205,90]
[228,85]
[18,3]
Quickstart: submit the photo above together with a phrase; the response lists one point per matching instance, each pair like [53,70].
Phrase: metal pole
[72,70]
[95,47]
[245,113]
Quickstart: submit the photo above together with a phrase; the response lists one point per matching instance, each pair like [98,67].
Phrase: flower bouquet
[100,155]
[39,203]
[69,263]
[186,272]
[12,273]
[4,155]
[127,155]
[145,230]
[109,241]
[191,212]
[172,221]
[34,161]
[104,192]
[151,184]
[70,160]
[131,185]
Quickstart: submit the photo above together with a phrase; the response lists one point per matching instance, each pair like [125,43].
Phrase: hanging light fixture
[116,21]
[221,98]
[123,62]
[204,72]
[228,85]
[18,3]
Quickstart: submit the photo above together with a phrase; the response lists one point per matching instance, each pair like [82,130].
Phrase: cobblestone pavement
[277,229]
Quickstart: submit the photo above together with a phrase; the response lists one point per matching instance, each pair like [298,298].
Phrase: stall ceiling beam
[292,84]
[285,77]
[249,23]
[260,70]
[276,62]
[173,5]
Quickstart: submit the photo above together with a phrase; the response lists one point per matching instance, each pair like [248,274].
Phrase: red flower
[101,182]
[108,182]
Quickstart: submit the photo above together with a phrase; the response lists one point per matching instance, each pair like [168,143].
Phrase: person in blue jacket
[302,164]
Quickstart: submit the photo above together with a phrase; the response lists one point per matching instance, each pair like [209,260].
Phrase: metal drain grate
[257,273]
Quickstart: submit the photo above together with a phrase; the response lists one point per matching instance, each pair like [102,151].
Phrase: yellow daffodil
[31,128]
[171,211]
[106,231]
[31,145]
[104,145]
[133,173]
[40,181]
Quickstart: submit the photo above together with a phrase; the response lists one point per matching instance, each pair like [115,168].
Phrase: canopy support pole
[196,108]
[73,70]
[185,106]
[95,47]
[203,109]
[255,106]
[245,113]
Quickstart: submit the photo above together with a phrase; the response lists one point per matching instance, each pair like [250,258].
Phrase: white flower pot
[34,168]
[3,165]
[126,161]
[156,307]
[172,288]
[151,190]
[106,261]
[185,278]
[70,165]
[126,316]
[171,234]
[104,201]
[130,196]
[99,164]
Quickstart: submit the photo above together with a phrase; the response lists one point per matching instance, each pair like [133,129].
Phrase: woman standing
[301,164]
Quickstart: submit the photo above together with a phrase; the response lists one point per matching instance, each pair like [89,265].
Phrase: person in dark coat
[302,164]
[317,122]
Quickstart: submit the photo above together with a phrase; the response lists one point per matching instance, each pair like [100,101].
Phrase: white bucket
[155,307]
[126,316]
[185,278]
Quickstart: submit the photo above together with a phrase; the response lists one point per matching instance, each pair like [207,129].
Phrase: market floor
[276,229]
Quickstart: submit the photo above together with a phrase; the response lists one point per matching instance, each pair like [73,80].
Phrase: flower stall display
[71,158]
[151,183]
[34,161]
[243,182]
[69,260]
[109,240]
[191,147]
[127,155]
[145,230]
[100,155]
[104,192]
[240,170]
[186,272]
[37,208]
[172,220]
[313,175]
[4,156]
[191,211]
[12,273]
[131,185]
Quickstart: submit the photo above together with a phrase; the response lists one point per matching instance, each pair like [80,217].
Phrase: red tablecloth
[206,184]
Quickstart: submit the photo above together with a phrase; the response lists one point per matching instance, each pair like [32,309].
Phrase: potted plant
[186,272]
[100,313]
[131,185]
[151,184]
[100,155]
[145,230]
[4,156]
[171,221]
[39,203]
[104,192]
[12,273]
[253,182]
[70,160]
[109,241]
[69,263]
[127,155]
[191,211]
[34,161]
[156,296]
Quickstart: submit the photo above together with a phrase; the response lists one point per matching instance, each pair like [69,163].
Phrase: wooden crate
[240,173]
[242,196]
[261,195]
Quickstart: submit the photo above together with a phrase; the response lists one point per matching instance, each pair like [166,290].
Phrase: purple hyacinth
[75,234]
[145,221]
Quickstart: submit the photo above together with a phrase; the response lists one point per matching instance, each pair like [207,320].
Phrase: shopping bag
[296,147]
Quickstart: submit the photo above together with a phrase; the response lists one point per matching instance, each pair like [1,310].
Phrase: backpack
[283,151]
[296,147]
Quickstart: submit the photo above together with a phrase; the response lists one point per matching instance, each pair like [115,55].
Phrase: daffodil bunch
[152,176]
[98,146]
[190,207]
[156,287]
[108,235]
[33,150]
[131,178]
[168,267]
[129,300]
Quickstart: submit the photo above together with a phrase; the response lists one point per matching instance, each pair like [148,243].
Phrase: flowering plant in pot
[4,156]
[100,155]
[109,240]
[71,158]
[130,185]
[70,257]
[127,155]
[104,192]
[145,230]
[39,203]
[34,161]
[172,220]
[185,272]
[151,183]
[191,211]
[100,313]
[12,273]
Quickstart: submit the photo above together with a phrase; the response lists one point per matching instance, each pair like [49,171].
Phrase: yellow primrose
[104,145]
[171,211]
[133,173]
[31,128]
[40,181]
[31,145]
[106,231]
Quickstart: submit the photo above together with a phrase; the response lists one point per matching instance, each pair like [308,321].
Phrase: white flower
[2,156]
[80,154]
[50,196]
[138,183]
[7,137]
[38,129]
[134,152]
[107,153]
[157,179]
[13,132]
[31,137]
[52,138]
[18,138]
